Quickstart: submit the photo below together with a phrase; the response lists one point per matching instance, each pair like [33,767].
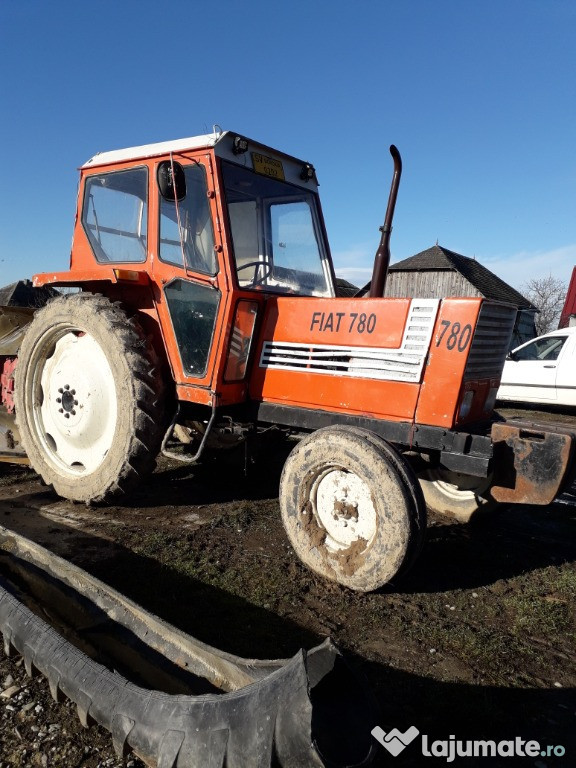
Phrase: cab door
[188,273]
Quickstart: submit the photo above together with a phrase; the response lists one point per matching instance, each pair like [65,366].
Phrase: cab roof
[144,151]
[152,150]
[292,169]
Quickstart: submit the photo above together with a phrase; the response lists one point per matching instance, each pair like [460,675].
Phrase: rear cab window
[115,214]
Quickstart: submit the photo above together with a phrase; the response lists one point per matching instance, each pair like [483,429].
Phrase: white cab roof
[151,150]
[291,166]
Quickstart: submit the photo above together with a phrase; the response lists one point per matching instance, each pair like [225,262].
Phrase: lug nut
[58,399]
[66,386]
[60,390]
[60,410]
[66,415]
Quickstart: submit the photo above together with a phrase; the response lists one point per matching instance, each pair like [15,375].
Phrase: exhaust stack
[382,258]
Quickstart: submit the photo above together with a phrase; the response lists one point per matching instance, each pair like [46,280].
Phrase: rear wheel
[456,495]
[89,398]
[351,507]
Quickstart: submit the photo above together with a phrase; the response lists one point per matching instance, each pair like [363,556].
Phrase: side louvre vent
[491,341]
[404,363]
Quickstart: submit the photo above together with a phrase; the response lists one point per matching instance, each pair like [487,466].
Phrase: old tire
[453,494]
[89,398]
[351,507]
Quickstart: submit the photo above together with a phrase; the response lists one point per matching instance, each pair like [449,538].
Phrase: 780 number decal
[454,335]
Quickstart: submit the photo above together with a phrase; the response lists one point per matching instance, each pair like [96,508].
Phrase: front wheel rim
[458,487]
[343,508]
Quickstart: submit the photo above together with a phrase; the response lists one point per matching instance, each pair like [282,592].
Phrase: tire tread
[146,394]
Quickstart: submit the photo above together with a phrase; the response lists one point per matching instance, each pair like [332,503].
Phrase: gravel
[37,732]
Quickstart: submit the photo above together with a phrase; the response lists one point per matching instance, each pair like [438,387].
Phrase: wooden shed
[438,272]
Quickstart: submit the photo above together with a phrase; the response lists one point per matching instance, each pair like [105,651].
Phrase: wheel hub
[345,510]
[67,401]
[344,507]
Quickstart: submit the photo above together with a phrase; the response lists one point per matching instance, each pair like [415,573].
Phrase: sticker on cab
[268,166]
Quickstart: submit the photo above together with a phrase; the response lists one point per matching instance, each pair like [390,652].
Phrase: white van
[542,370]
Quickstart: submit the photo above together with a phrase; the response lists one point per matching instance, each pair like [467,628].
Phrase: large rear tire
[89,398]
[352,507]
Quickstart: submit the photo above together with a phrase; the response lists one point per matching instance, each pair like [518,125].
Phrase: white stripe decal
[404,363]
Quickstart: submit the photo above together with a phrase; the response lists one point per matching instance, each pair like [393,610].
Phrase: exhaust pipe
[382,258]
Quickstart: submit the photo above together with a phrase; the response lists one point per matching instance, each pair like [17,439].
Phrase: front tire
[89,398]
[455,495]
[352,507]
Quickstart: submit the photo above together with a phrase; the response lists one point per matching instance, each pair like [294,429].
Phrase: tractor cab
[134,207]
[208,229]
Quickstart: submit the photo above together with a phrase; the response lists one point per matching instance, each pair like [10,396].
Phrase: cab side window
[186,234]
[114,215]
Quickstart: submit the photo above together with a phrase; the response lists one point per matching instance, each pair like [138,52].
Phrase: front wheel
[89,398]
[455,495]
[351,507]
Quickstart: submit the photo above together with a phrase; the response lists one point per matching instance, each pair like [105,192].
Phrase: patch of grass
[253,575]
[544,606]
[540,615]
[493,650]
[240,517]
[563,580]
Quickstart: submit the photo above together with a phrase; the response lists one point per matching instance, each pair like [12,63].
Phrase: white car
[542,370]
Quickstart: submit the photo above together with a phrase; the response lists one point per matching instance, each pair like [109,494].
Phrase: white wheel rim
[459,487]
[75,406]
[344,508]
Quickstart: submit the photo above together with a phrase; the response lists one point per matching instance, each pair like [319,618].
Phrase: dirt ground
[477,641]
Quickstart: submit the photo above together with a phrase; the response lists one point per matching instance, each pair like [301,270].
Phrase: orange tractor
[205,305]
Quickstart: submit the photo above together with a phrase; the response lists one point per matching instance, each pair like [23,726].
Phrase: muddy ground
[477,641]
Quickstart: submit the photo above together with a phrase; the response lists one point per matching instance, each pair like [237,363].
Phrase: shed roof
[345,288]
[486,282]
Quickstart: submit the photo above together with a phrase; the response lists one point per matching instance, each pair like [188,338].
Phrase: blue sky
[480,98]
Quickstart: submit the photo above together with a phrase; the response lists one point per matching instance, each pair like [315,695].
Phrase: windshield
[276,235]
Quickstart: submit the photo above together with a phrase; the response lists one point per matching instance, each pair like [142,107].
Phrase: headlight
[466,405]
[491,400]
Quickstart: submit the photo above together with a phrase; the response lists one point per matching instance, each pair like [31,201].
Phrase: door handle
[549,366]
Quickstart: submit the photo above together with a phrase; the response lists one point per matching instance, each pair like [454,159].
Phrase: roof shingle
[486,282]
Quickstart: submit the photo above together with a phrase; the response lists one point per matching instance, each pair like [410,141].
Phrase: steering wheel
[257,264]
